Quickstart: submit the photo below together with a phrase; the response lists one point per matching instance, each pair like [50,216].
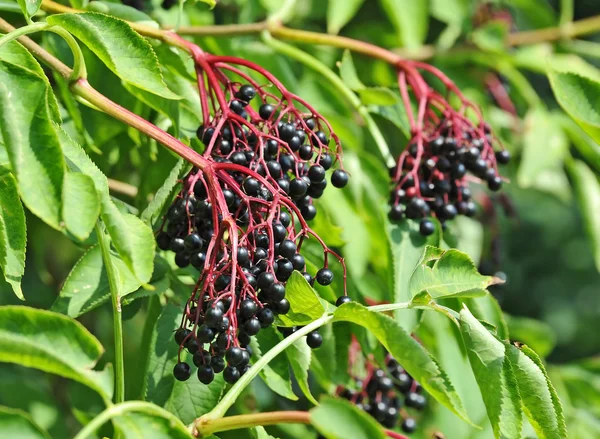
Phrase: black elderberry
[237,107]
[396,212]
[282,307]
[308,278]
[294,143]
[305,152]
[391,417]
[239,158]
[182,260]
[202,357]
[495,183]
[205,334]
[298,188]
[193,241]
[248,308]
[409,425]
[503,157]
[276,292]
[163,241]
[298,262]
[206,375]
[246,93]
[223,340]
[207,135]
[286,131]
[265,317]
[310,123]
[319,136]
[324,276]
[314,340]
[265,111]
[415,208]
[252,326]
[213,317]
[234,356]
[251,186]
[181,334]
[197,260]
[415,401]
[177,245]
[265,280]
[308,212]
[231,375]
[217,364]
[182,371]
[447,212]
[426,227]
[342,299]
[339,178]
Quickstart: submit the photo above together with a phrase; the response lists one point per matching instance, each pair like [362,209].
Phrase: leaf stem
[125,407]
[25,30]
[114,286]
[338,83]
[251,420]
[79,70]
[221,408]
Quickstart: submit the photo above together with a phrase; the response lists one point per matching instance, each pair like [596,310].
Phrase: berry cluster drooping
[388,395]
[242,219]
[447,151]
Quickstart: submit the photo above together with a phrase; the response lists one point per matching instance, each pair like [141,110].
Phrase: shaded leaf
[81,204]
[145,426]
[122,49]
[18,424]
[407,246]
[31,141]
[587,190]
[299,356]
[276,374]
[339,419]
[13,232]
[188,399]
[340,12]
[122,11]
[414,358]
[87,287]
[377,96]
[494,375]
[52,343]
[448,273]
[539,399]
[29,7]
[411,20]
[305,305]
[154,209]
[348,72]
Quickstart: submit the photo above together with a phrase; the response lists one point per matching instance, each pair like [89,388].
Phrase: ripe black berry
[181,334]
[316,173]
[217,364]
[251,326]
[282,307]
[342,299]
[231,374]
[246,93]
[298,188]
[248,308]
[287,249]
[234,356]
[426,227]
[163,241]
[266,317]
[409,425]
[314,340]
[265,111]
[503,157]
[206,375]
[339,178]
[182,371]
[324,276]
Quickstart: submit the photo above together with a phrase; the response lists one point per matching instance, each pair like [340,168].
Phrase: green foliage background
[547,245]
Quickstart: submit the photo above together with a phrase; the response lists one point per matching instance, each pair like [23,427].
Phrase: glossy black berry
[231,374]
[193,241]
[314,340]
[298,188]
[495,183]
[163,241]
[251,326]
[342,299]
[182,259]
[265,111]
[324,276]
[234,356]
[426,227]
[206,375]
[287,249]
[265,317]
[276,292]
[182,371]
[177,245]
[246,93]
[248,308]
[197,259]
[217,364]
[181,334]
[282,307]
[339,178]
[503,157]
[265,280]
[205,334]
[213,317]
[409,425]
[308,212]
[251,186]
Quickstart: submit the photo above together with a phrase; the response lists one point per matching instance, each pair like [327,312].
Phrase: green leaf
[261,433]
[153,211]
[407,246]
[587,189]
[145,426]
[348,72]
[339,419]
[299,356]
[579,97]
[86,287]
[451,11]
[585,145]
[449,273]
[377,96]
[31,141]
[414,358]
[494,375]
[122,49]
[276,374]
[18,424]
[340,12]
[411,20]
[490,37]
[545,147]
[81,204]
[52,343]
[30,7]
[539,399]
[132,238]
[305,305]
[13,232]
[189,399]
[124,12]
[535,333]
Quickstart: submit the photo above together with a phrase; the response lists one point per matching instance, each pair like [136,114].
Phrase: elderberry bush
[243,231]
[391,396]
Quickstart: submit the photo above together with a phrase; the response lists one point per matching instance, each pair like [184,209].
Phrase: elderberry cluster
[291,151]
[387,395]
[242,228]
[431,179]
